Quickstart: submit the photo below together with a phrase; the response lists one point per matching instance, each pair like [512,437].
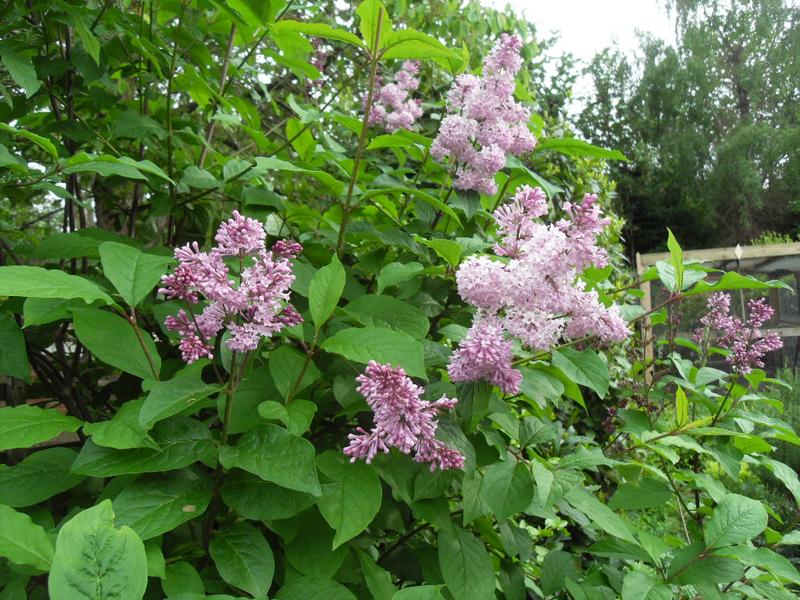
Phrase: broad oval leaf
[22,541]
[181,442]
[325,290]
[155,504]
[26,425]
[377,310]
[39,477]
[97,561]
[507,488]
[243,558]
[363,344]
[132,272]
[736,519]
[38,282]
[275,455]
[352,499]
[113,340]
[466,566]
[260,500]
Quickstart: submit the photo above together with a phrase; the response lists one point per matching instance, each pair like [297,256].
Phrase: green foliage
[135,128]
[710,124]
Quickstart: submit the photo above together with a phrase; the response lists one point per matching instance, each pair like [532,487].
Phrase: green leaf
[446,249]
[352,498]
[641,586]
[396,273]
[168,398]
[736,519]
[318,30]
[681,407]
[310,551]
[386,311]
[37,282]
[767,560]
[419,592]
[155,504]
[182,579]
[578,149]
[181,442]
[363,344]
[285,365]
[645,493]
[21,70]
[13,355]
[735,281]
[676,260]
[22,541]
[786,474]
[104,165]
[557,566]
[132,272]
[374,23]
[409,43]
[25,425]
[44,143]
[584,368]
[156,565]
[378,580]
[130,124]
[465,564]
[507,488]
[243,558]
[276,164]
[89,41]
[325,290]
[314,588]
[600,514]
[39,477]
[113,340]
[296,415]
[39,311]
[94,560]
[260,500]
[123,431]
[275,455]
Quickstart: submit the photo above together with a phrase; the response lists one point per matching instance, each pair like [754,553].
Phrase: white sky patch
[585,27]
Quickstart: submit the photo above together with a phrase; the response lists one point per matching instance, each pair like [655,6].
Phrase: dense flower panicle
[402,420]
[744,339]
[533,293]
[392,106]
[485,354]
[515,220]
[484,123]
[254,307]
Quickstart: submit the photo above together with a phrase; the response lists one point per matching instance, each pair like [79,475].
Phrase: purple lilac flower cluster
[744,339]
[256,307]
[392,107]
[533,293]
[402,420]
[484,122]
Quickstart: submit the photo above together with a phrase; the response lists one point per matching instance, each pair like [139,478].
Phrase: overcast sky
[587,26]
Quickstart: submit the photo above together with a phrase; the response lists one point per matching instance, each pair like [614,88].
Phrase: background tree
[711,125]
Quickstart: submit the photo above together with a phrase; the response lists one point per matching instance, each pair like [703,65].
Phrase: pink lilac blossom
[532,292]
[744,339]
[392,107]
[254,307]
[484,123]
[402,420]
